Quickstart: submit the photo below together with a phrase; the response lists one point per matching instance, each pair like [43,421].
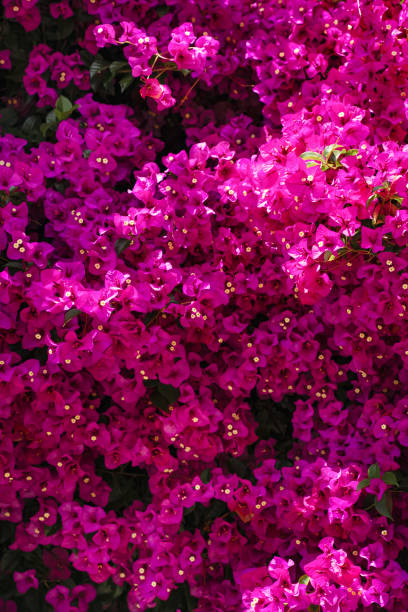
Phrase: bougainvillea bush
[203,305]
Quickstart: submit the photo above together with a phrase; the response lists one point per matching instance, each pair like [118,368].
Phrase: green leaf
[311,155]
[17,265]
[98,65]
[51,118]
[370,199]
[384,185]
[327,151]
[116,66]
[63,108]
[121,244]
[390,478]
[169,392]
[328,256]
[239,467]
[63,104]
[109,83]
[159,400]
[336,154]
[150,384]
[51,124]
[62,116]
[118,591]
[396,200]
[31,124]
[54,336]
[310,164]
[374,471]
[70,314]
[125,82]
[54,528]
[150,316]
[305,579]
[44,129]
[105,588]
[384,505]
[86,57]
[162,10]
[350,152]
[205,476]
[163,395]
[363,483]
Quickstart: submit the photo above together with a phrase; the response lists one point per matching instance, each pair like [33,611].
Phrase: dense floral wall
[203,305]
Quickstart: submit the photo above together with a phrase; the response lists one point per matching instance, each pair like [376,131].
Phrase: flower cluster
[204,307]
[44,65]
[187,52]
[24,11]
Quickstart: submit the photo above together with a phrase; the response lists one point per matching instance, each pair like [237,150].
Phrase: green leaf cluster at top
[330,158]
